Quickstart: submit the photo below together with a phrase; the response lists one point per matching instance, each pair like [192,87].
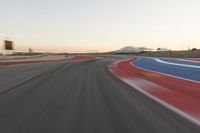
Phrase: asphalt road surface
[79,97]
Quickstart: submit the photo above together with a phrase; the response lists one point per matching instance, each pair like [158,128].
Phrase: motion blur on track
[80,96]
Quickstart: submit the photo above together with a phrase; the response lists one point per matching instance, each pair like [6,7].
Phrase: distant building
[163,49]
[131,50]
[5,52]
[1,52]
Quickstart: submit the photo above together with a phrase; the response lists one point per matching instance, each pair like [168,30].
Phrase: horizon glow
[103,25]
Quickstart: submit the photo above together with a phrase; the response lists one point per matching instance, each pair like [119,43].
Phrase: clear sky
[103,25]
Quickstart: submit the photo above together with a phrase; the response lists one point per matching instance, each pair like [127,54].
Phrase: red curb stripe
[75,58]
[182,94]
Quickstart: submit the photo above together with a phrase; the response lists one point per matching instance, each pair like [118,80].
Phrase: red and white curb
[179,95]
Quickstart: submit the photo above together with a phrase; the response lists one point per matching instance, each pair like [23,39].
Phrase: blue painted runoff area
[179,71]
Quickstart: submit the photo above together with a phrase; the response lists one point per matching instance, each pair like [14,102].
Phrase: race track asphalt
[79,97]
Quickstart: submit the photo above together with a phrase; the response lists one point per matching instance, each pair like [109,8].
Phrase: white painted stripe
[185,115]
[177,64]
[189,60]
[164,73]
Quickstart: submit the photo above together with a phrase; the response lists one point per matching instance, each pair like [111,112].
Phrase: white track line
[162,102]
[189,60]
[164,73]
[176,64]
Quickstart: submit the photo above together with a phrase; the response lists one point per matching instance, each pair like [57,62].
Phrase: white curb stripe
[176,64]
[189,60]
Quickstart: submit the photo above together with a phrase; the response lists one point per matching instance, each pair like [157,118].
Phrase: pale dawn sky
[103,25]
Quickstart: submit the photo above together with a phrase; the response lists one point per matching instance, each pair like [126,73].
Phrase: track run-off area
[100,94]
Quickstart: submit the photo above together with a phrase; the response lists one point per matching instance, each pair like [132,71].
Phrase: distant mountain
[131,50]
